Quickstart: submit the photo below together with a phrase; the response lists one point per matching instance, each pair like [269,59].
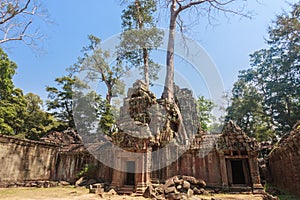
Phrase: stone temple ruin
[152,148]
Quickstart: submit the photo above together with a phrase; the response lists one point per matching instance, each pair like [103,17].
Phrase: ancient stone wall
[68,165]
[284,162]
[206,167]
[25,160]
[194,163]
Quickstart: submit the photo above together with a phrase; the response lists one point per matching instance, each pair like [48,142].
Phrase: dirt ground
[83,194]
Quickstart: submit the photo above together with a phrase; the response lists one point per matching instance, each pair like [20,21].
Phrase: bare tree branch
[218,6]
[14,12]
[17,19]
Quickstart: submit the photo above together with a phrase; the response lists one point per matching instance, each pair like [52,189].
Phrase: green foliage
[141,11]
[140,36]
[94,61]
[37,122]
[7,71]
[247,109]
[107,119]
[87,171]
[266,98]
[61,102]
[204,108]
[282,194]
[91,108]
[20,115]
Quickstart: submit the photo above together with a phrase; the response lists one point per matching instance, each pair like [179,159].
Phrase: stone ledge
[14,140]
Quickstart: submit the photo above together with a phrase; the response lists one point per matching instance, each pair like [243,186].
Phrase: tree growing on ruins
[17,18]
[272,80]
[177,9]
[176,21]
[140,36]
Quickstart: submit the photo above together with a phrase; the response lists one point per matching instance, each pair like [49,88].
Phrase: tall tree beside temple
[140,36]
[272,80]
[94,62]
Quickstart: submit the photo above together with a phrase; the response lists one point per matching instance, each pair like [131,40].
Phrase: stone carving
[234,139]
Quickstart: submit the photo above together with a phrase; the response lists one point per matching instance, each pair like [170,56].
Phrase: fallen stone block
[190,193]
[174,196]
[169,183]
[170,190]
[186,185]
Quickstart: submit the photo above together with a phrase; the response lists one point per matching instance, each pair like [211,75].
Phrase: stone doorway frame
[130,174]
[245,170]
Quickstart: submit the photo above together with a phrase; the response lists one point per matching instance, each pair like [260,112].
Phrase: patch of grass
[288,197]
[282,194]
[231,197]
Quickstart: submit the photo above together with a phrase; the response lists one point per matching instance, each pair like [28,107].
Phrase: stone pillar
[194,164]
[117,176]
[223,169]
[116,179]
[148,167]
[144,178]
[254,173]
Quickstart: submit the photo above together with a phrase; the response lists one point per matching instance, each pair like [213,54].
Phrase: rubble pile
[177,187]
[36,184]
[68,140]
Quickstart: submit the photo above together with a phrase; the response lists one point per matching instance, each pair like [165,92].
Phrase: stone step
[236,189]
[126,189]
[140,189]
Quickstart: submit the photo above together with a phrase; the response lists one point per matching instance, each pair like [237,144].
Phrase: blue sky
[229,42]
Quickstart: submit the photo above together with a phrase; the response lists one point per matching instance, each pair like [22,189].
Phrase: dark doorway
[130,173]
[238,176]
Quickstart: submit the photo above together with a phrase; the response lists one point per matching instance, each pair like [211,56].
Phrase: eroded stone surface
[284,162]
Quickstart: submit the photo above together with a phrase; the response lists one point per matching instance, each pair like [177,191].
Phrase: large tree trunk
[109,93]
[168,92]
[145,50]
[146,67]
